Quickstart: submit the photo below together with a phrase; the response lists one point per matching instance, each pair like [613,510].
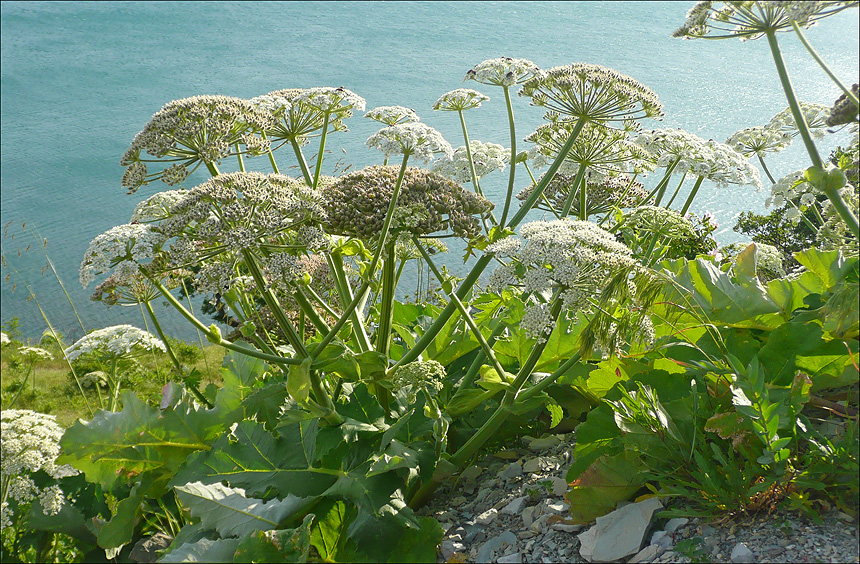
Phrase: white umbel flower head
[789,188]
[759,140]
[31,443]
[115,342]
[459,100]
[503,71]
[120,248]
[414,139]
[35,354]
[392,115]
[331,100]
[487,157]
[157,206]
[815,116]
[4,339]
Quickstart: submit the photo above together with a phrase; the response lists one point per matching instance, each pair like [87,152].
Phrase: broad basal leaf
[284,545]
[607,481]
[203,550]
[227,510]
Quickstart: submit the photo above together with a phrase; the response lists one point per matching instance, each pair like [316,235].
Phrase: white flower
[789,187]
[759,140]
[815,116]
[415,139]
[487,157]
[4,339]
[331,100]
[503,71]
[121,248]
[35,353]
[157,206]
[459,100]
[118,341]
[392,115]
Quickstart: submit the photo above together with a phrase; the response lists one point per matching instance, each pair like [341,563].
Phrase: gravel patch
[510,508]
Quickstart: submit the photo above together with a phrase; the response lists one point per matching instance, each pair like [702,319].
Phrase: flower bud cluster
[415,139]
[200,128]
[834,234]
[356,204]
[592,92]
[791,187]
[603,192]
[655,219]
[715,161]
[459,100]
[503,71]
[115,342]
[487,157]
[392,115]
[428,374]
[571,256]
[31,443]
[844,110]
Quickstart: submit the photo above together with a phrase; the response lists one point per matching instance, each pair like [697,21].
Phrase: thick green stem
[360,294]
[302,163]
[310,312]
[512,127]
[275,307]
[114,400]
[216,337]
[322,150]
[317,298]
[766,171]
[475,367]
[487,348]
[832,192]
[549,380]
[475,181]
[678,189]
[568,203]
[362,341]
[692,195]
[386,306]
[823,65]
[239,157]
[213,170]
[271,156]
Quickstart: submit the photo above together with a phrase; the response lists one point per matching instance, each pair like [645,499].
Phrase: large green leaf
[252,458]
[608,480]
[386,539]
[722,299]
[284,545]
[229,512]
[329,532]
[203,550]
[829,266]
[120,529]
[801,346]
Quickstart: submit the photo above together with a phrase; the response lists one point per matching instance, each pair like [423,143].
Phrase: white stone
[647,553]
[559,486]
[544,443]
[485,553]
[673,525]
[449,547]
[528,516]
[487,517]
[618,534]
[512,471]
[559,507]
[662,538]
[471,473]
[515,506]
[741,553]
[565,528]
[514,558]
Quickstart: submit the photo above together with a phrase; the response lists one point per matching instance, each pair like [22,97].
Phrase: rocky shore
[510,508]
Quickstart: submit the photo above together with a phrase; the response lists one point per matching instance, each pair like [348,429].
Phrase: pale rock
[620,533]
[544,443]
[565,528]
[531,466]
[486,551]
[449,547]
[650,552]
[673,525]
[528,516]
[662,538]
[515,506]
[471,473]
[512,471]
[487,517]
[539,524]
[515,558]
[559,485]
[559,507]
[741,553]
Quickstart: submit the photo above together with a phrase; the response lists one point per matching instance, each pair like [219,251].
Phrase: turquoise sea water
[79,79]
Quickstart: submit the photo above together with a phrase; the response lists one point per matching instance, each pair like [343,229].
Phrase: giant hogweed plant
[342,409]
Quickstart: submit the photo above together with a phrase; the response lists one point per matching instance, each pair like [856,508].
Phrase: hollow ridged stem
[386,306]
[692,195]
[513,154]
[223,342]
[239,158]
[472,372]
[568,203]
[310,312]
[475,182]
[823,65]
[213,170]
[803,128]
[275,307]
[487,349]
[766,171]
[322,150]
[678,189]
[317,298]
[271,156]
[549,380]
[302,163]
[360,295]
